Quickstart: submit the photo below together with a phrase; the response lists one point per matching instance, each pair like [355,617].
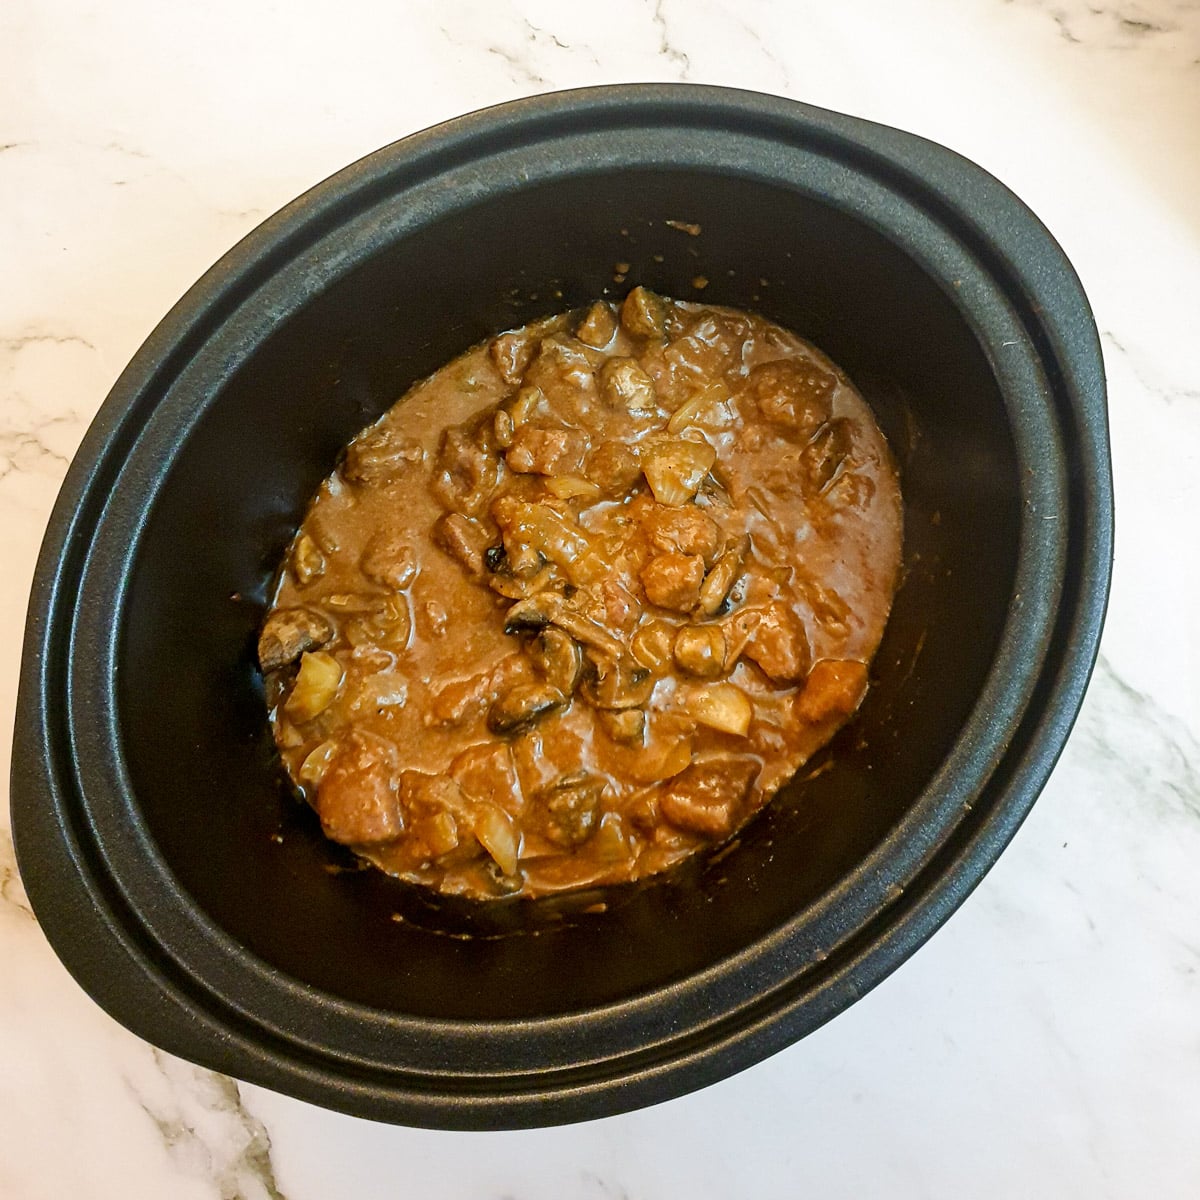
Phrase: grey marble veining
[205,1129]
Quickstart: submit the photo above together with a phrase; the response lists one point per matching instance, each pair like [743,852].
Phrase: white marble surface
[1046,1043]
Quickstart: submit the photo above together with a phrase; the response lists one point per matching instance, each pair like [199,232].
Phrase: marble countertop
[1046,1042]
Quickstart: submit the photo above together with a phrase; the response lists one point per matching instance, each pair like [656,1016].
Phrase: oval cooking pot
[196,901]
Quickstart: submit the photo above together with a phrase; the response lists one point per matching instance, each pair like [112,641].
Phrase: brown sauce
[578,604]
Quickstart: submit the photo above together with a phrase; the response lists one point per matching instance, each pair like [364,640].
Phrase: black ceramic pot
[196,901]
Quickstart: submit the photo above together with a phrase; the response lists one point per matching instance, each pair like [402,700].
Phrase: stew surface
[579,603]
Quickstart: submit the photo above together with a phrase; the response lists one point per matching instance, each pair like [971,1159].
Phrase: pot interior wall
[190,711]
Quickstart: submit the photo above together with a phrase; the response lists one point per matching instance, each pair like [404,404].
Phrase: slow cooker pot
[196,901]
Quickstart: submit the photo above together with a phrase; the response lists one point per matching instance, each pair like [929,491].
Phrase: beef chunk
[379,456]
[598,326]
[644,313]
[563,370]
[464,539]
[672,580]
[511,353]
[621,609]
[684,529]
[288,633]
[467,472]
[793,394]
[485,773]
[388,561]
[357,799]
[455,701]
[703,353]
[536,450]
[825,453]
[614,468]
[835,688]
[436,810]
[625,386]
[779,644]
[707,797]
[422,794]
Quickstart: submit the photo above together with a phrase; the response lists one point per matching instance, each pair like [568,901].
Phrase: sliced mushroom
[586,631]
[701,650]
[495,557]
[557,657]
[549,608]
[512,587]
[718,583]
[524,404]
[522,706]
[618,683]
[532,615]
[524,564]
[511,415]
[288,633]
[626,725]
[570,808]
[652,646]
